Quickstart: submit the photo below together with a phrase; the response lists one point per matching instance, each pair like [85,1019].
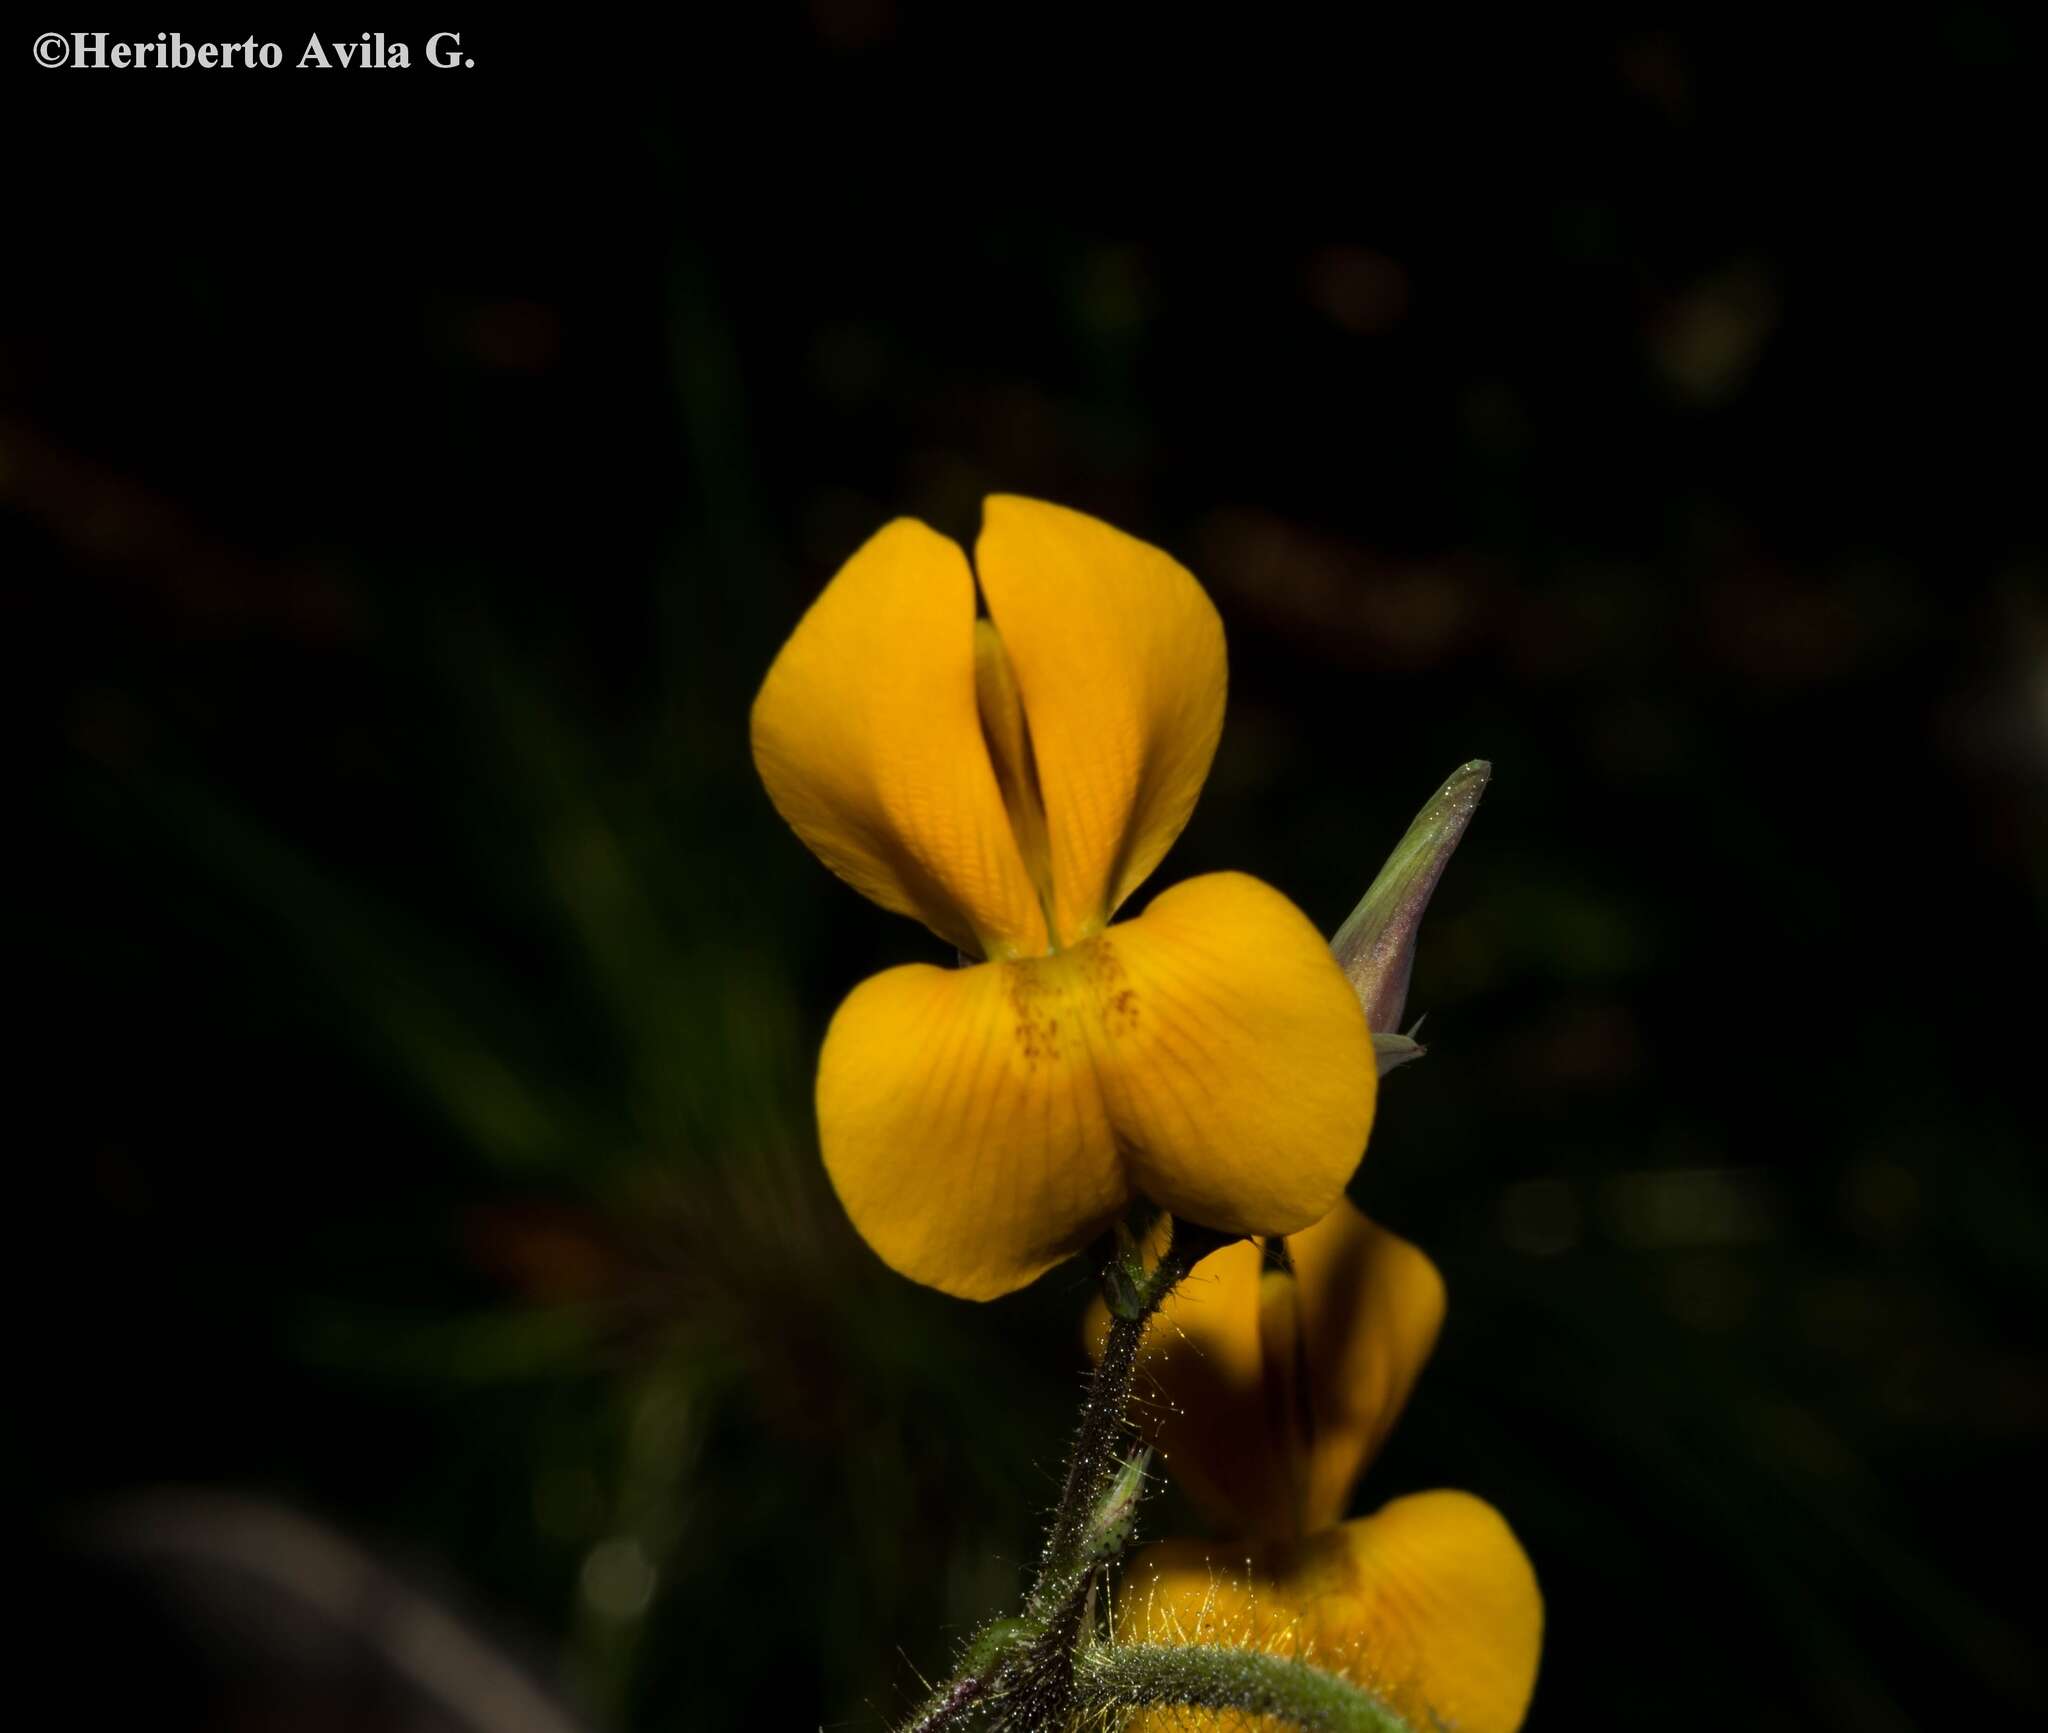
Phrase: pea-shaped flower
[1004,752]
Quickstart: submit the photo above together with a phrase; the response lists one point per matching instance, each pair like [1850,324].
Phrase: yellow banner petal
[1236,1063]
[1275,1451]
[1119,656]
[867,735]
[1431,1605]
[962,1124]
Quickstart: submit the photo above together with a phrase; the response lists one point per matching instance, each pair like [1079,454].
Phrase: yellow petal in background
[1431,1605]
[1236,1062]
[1202,1395]
[1269,1435]
[1119,656]
[867,735]
[1371,1306]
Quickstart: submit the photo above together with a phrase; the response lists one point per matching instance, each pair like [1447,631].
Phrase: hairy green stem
[1134,1294]
[1018,1676]
[990,1658]
[950,1707]
[1111,1677]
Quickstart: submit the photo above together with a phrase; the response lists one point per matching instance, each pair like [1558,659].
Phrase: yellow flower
[1273,1390]
[1009,780]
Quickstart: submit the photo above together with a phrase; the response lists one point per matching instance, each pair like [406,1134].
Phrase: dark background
[404,485]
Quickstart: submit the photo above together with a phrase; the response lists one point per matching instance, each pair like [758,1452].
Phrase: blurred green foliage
[433,994]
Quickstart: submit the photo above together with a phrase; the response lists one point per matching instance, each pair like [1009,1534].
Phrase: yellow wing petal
[1236,1063]
[962,1125]
[1371,1306]
[1367,1306]
[1431,1605]
[867,735]
[1119,656]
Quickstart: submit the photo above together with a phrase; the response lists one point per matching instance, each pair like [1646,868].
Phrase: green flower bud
[1376,946]
[1109,1525]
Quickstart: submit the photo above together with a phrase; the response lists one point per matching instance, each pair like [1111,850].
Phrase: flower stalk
[1133,1293]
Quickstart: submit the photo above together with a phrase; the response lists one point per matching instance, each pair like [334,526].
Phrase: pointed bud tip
[1376,946]
[1462,788]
